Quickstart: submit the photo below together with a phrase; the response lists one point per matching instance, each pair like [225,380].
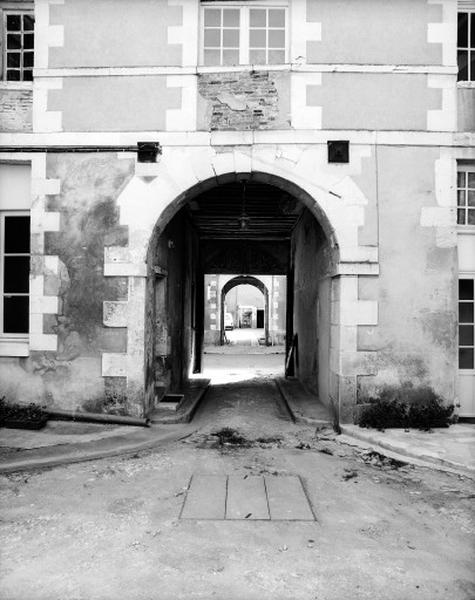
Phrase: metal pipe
[65,148]
[75,415]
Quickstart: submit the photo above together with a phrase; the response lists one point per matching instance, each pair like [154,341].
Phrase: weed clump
[230,437]
[17,413]
[406,407]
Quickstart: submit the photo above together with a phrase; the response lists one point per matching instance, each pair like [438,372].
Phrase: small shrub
[17,412]
[406,406]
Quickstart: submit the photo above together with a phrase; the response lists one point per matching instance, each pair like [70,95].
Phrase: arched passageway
[251,225]
[235,282]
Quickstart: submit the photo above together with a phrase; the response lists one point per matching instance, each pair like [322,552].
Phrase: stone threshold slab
[248,497]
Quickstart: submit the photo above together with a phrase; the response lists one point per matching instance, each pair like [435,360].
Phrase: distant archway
[245,280]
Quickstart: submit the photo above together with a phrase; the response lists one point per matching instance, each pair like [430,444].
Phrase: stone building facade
[330,142]
[263,295]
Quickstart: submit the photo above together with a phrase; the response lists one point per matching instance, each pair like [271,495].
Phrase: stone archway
[245,280]
[158,191]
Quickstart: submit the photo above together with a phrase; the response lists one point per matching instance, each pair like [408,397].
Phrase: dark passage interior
[244,228]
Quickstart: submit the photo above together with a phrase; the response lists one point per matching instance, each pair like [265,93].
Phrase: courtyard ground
[122,528]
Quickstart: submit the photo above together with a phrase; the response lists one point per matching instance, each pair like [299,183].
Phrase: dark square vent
[147,152]
[338,151]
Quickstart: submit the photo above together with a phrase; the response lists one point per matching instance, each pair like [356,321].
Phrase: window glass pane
[257,17]
[462,33]
[276,56]
[28,41]
[466,289]
[466,335]
[14,41]
[230,57]
[212,17]
[28,22]
[461,216]
[16,274]
[212,57]
[230,17]
[28,59]
[14,22]
[257,56]
[461,179]
[472,68]
[466,312]
[471,217]
[471,197]
[472,30]
[276,38]
[13,75]
[257,38]
[28,75]
[465,358]
[13,59]
[276,17]
[461,198]
[212,38]
[471,180]
[462,61]
[17,235]
[230,38]
[15,314]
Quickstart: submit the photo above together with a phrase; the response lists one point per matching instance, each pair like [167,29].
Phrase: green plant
[406,406]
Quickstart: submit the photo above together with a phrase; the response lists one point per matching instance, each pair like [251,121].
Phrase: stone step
[192,395]
[303,406]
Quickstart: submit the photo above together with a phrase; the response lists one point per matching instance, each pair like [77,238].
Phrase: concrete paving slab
[206,497]
[287,499]
[451,449]
[246,498]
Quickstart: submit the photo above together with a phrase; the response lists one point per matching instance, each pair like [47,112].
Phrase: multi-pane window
[466,46]
[14,272]
[18,30]
[243,35]
[466,197]
[266,35]
[466,324]
[221,36]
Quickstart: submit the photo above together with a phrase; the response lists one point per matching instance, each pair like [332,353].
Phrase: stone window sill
[466,84]
[467,229]
[14,346]
[16,85]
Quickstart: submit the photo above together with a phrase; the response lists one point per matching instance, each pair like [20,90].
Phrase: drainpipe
[75,415]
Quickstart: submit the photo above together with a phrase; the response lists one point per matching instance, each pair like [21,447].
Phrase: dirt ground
[110,529]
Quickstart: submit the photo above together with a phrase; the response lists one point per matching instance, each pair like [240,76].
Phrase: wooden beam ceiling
[245,210]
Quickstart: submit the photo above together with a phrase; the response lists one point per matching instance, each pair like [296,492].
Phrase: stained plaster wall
[415,340]
[353,32]
[88,321]
[169,325]
[313,262]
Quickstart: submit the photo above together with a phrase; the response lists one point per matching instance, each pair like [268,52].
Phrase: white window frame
[244,29]
[464,168]
[11,344]
[9,8]
[470,10]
